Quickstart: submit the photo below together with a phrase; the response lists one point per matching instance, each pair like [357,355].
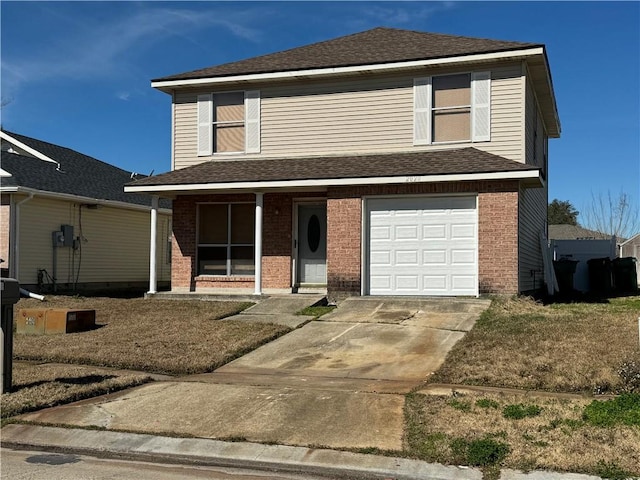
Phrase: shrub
[629,373]
[519,411]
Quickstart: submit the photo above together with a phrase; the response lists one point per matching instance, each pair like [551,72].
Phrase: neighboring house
[53,195]
[388,162]
[575,232]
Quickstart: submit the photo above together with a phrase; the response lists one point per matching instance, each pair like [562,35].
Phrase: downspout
[153,274]
[14,265]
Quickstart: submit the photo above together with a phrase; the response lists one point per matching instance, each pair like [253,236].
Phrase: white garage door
[423,246]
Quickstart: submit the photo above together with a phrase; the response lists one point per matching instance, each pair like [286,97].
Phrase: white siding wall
[5,220]
[116,246]
[532,204]
[355,115]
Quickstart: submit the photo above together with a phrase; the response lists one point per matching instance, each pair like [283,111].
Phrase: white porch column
[258,244]
[153,277]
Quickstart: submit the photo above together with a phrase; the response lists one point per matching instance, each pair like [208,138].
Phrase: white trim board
[317,72]
[330,182]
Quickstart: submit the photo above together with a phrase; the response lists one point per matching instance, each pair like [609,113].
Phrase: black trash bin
[600,276]
[565,269]
[625,277]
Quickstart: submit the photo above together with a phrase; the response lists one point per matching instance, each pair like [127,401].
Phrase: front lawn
[576,347]
[584,348]
[160,336]
[41,386]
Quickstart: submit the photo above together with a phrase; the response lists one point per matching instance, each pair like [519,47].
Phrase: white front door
[423,246]
[312,244]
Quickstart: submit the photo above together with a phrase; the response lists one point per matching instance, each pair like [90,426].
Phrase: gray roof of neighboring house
[376,46]
[79,174]
[575,232]
[442,162]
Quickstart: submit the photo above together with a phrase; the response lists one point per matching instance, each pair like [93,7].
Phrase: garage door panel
[406,258]
[434,231]
[463,257]
[434,257]
[406,232]
[423,246]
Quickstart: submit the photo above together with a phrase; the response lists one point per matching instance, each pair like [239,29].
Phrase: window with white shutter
[229,123]
[452,108]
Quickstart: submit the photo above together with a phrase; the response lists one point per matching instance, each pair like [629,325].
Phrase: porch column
[153,280]
[258,244]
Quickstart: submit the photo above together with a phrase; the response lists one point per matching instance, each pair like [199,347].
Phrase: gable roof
[343,170]
[378,49]
[575,232]
[375,46]
[64,171]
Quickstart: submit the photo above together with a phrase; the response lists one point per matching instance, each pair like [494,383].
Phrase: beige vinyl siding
[115,245]
[5,222]
[357,115]
[506,113]
[532,207]
[532,202]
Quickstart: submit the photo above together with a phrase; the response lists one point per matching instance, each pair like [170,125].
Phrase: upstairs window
[228,123]
[451,111]
[452,108]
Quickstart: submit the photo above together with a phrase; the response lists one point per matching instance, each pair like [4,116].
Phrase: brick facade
[497,236]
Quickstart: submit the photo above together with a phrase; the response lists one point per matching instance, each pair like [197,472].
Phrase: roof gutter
[79,199]
[530,177]
[167,85]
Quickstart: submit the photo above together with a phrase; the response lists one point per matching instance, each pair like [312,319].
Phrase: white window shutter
[422,111]
[205,125]
[481,106]
[252,121]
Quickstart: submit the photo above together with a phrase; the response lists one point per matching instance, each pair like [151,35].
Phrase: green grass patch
[612,471]
[317,311]
[519,411]
[622,410]
[487,403]
[461,405]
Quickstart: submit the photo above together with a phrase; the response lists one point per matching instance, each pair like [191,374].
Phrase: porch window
[226,239]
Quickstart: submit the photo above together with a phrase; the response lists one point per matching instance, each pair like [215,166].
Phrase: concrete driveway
[338,382]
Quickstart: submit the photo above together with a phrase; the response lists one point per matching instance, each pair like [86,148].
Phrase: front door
[312,244]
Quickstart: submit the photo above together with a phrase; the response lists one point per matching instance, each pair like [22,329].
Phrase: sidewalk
[192,451]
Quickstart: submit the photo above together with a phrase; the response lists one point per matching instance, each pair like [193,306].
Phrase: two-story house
[387,162]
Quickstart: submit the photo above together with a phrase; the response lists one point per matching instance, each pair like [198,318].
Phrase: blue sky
[78,73]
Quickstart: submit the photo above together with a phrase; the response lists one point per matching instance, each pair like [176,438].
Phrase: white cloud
[99,48]
[123,96]
[401,14]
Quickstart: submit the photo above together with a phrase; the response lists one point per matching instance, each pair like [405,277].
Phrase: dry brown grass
[162,336]
[563,347]
[557,439]
[41,386]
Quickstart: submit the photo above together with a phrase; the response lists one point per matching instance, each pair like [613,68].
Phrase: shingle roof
[376,46]
[575,232]
[79,174]
[443,162]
